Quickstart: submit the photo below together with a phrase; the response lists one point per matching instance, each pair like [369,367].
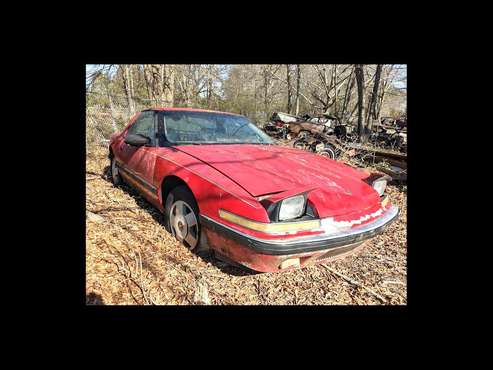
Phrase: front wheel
[182,216]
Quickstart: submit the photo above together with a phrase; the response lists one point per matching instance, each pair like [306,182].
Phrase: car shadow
[94,299]
[207,256]
[225,267]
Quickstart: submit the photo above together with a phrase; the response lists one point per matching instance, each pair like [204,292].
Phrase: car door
[139,162]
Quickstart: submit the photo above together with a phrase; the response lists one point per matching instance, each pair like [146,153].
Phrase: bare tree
[168,85]
[127,81]
[159,79]
[387,81]
[372,115]
[288,80]
[334,86]
[267,80]
[326,91]
[257,90]
[360,80]
[322,74]
[347,94]
[304,96]
[298,78]
[110,100]
[148,80]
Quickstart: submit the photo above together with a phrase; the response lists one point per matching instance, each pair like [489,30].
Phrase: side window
[144,125]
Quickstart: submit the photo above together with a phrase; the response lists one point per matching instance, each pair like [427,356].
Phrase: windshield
[189,127]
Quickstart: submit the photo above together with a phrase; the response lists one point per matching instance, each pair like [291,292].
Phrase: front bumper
[304,244]
[266,254]
[269,256]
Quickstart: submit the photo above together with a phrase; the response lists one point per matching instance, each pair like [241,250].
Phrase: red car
[223,185]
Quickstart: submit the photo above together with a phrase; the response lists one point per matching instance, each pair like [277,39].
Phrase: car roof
[190,110]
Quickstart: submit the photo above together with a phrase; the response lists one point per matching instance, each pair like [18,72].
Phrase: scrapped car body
[222,185]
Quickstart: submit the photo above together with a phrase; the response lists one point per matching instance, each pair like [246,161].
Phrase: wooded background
[356,94]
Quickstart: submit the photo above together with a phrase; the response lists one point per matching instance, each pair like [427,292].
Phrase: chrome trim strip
[388,216]
[270,227]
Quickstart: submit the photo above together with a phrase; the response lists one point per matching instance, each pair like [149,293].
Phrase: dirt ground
[131,259]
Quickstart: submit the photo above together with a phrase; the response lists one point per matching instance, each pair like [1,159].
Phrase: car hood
[266,169]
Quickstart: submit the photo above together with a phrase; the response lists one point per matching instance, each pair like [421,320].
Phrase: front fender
[212,190]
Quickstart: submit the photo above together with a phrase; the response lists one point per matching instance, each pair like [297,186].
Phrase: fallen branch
[126,270]
[95,175]
[354,282]
[114,209]
[393,282]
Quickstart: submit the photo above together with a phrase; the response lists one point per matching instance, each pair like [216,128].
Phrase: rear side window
[144,125]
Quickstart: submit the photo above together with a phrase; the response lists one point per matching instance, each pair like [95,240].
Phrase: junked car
[223,185]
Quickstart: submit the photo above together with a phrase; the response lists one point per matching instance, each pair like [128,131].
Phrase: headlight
[293,207]
[380,185]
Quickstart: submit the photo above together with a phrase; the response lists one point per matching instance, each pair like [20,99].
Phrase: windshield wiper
[219,143]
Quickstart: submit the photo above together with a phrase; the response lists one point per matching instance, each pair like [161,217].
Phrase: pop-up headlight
[379,185]
[293,207]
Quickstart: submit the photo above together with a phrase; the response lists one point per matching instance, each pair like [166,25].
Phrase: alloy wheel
[184,224]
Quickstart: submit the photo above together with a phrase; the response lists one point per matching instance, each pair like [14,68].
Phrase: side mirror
[136,140]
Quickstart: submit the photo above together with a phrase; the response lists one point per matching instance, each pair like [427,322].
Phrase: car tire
[116,179]
[300,144]
[182,217]
[303,134]
[328,152]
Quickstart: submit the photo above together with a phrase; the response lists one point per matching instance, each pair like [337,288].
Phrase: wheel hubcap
[183,222]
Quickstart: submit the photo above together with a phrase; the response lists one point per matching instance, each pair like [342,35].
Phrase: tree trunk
[347,95]
[128,90]
[132,90]
[360,80]
[375,90]
[185,86]
[209,85]
[168,85]
[298,77]
[384,90]
[160,84]
[334,79]
[266,91]
[288,79]
[161,88]
[372,114]
[112,109]
[148,81]
[254,97]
